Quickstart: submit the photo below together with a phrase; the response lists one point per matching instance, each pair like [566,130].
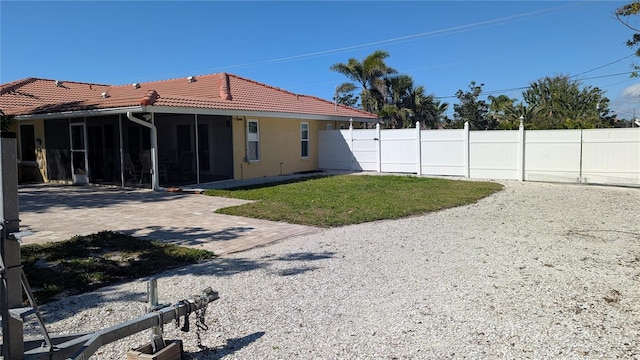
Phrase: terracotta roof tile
[216,91]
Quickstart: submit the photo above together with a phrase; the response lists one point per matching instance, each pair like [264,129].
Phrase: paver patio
[58,212]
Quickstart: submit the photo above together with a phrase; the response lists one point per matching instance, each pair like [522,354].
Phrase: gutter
[79,113]
[155,183]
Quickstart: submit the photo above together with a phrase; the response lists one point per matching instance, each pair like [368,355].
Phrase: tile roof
[216,92]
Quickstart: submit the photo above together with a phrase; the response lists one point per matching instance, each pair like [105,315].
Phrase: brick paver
[57,212]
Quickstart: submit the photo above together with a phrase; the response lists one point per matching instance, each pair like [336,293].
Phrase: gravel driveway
[535,271]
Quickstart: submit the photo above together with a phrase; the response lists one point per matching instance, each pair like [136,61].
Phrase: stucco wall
[279,147]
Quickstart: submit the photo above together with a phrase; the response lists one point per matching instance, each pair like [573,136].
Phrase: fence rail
[599,156]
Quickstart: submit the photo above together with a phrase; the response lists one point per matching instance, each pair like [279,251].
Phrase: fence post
[467,166]
[378,149]
[521,150]
[351,157]
[418,149]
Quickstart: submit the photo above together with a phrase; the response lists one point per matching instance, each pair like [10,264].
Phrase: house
[188,130]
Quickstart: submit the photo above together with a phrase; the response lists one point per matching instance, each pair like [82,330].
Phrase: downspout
[154,149]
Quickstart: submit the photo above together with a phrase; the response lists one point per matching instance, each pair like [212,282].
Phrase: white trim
[305,140]
[82,113]
[190,110]
[256,140]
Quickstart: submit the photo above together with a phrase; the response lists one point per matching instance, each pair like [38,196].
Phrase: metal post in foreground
[78,346]
[11,288]
[82,346]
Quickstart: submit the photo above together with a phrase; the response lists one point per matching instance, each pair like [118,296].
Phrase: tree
[560,102]
[624,14]
[407,104]
[500,110]
[369,74]
[345,95]
[427,109]
[6,121]
[471,109]
[397,109]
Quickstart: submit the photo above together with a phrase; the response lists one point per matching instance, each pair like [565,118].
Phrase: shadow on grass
[275,183]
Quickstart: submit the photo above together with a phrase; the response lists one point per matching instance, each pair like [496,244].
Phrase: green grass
[331,201]
[85,263]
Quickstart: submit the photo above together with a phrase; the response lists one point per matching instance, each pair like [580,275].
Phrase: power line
[605,65]
[526,87]
[412,37]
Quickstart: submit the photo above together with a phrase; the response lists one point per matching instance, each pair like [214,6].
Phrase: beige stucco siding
[279,147]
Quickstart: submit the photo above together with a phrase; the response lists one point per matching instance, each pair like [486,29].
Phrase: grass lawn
[348,199]
[85,263]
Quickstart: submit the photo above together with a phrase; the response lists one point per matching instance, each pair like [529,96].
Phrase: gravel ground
[535,271]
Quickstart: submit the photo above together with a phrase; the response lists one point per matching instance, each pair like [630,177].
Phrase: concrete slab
[58,212]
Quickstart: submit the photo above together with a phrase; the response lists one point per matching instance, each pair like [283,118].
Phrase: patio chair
[131,171]
[184,165]
[145,160]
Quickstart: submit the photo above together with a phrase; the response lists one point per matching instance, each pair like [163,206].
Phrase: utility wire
[428,34]
[605,65]
[526,87]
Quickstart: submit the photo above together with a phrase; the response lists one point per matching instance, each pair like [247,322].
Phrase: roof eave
[286,115]
[81,113]
[190,110]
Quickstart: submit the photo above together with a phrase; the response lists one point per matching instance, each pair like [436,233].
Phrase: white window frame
[253,138]
[304,140]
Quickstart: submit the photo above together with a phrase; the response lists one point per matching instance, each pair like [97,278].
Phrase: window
[304,140]
[329,126]
[27,143]
[253,140]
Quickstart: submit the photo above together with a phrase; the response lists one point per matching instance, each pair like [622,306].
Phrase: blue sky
[443,45]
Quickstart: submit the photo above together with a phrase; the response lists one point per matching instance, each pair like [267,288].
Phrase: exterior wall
[279,147]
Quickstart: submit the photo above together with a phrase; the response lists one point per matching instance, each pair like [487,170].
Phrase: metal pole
[157,341]
[11,288]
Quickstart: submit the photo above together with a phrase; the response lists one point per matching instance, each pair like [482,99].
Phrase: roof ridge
[12,86]
[149,98]
[301,95]
[225,86]
[167,80]
[265,85]
[71,81]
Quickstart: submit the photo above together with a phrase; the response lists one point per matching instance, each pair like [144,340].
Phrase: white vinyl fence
[600,156]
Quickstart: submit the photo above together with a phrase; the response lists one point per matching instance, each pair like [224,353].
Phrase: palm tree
[563,102]
[499,107]
[369,74]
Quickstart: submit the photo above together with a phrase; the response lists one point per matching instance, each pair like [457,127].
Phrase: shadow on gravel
[231,347]
[283,265]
